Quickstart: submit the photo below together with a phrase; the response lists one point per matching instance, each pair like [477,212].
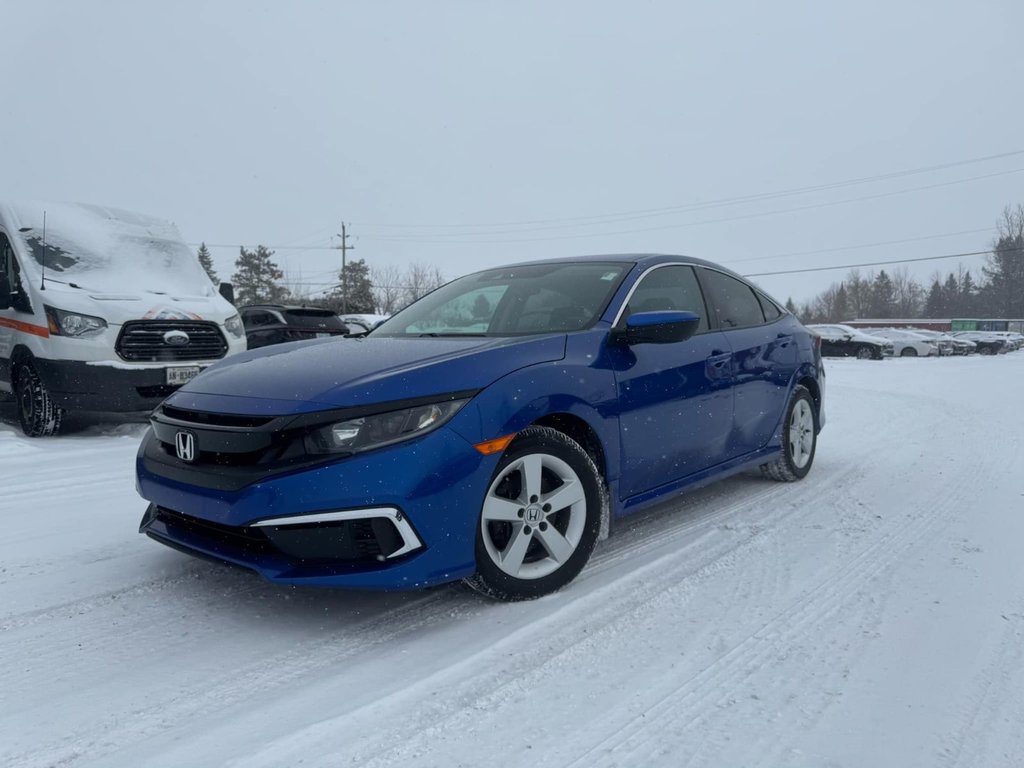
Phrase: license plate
[182,375]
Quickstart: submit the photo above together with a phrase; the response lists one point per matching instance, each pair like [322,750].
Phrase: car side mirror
[227,290]
[665,327]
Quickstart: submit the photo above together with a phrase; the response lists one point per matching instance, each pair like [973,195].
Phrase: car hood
[336,373]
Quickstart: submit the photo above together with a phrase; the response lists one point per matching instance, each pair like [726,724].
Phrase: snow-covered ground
[869,616]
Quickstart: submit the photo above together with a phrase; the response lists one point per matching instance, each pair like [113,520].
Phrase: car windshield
[512,301]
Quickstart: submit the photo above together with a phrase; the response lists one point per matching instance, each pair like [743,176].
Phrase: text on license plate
[182,375]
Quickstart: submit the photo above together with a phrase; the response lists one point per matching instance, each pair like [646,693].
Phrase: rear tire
[540,518]
[38,414]
[799,439]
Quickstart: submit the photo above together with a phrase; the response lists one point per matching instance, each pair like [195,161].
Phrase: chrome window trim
[646,272]
[410,541]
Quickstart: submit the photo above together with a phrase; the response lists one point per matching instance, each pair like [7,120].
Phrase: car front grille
[144,341]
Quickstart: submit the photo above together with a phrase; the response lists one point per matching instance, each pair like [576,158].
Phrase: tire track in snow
[683,716]
[707,549]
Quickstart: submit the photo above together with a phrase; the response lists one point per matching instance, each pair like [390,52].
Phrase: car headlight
[375,431]
[73,324]
[234,326]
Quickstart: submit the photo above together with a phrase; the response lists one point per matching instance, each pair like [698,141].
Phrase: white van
[105,310]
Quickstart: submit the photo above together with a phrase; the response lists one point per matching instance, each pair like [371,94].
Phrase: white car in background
[947,344]
[906,343]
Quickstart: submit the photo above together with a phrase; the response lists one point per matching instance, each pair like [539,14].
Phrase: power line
[880,263]
[626,215]
[857,247]
[814,206]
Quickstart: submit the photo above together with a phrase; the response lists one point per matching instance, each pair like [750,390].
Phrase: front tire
[864,353]
[540,518]
[38,414]
[908,352]
[799,439]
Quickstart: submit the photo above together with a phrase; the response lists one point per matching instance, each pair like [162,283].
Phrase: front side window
[512,301]
[734,301]
[672,287]
[10,276]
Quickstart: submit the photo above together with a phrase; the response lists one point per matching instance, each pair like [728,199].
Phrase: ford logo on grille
[176,338]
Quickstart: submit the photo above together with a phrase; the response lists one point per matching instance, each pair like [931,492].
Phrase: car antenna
[42,285]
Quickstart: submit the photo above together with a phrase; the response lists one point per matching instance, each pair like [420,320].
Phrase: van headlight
[73,324]
[368,432]
[235,327]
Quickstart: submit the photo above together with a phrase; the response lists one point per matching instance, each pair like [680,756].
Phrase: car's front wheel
[799,439]
[864,353]
[38,414]
[908,352]
[540,518]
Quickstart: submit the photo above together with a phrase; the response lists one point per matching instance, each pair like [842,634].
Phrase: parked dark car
[267,324]
[839,340]
[986,343]
[492,431]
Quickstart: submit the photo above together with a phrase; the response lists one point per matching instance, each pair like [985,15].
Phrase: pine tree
[354,293]
[935,305]
[256,278]
[968,296]
[207,263]
[881,296]
[790,306]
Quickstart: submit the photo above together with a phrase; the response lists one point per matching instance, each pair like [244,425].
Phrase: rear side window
[771,311]
[734,302]
[671,287]
[319,318]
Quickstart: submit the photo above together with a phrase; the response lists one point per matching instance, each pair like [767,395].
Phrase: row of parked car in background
[267,324]
[839,340]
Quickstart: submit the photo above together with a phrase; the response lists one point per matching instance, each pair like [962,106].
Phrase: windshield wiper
[454,335]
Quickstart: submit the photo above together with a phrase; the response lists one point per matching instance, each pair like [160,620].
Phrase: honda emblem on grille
[176,338]
[185,446]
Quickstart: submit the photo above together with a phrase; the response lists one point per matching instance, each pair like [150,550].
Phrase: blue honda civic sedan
[492,431]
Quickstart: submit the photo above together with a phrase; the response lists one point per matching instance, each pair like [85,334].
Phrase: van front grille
[148,341]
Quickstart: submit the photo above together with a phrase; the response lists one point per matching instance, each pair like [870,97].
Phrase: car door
[675,399]
[764,357]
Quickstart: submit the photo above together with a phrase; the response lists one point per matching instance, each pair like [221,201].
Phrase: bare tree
[907,293]
[387,288]
[420,279]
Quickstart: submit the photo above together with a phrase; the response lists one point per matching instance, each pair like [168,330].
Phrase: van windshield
[109,250]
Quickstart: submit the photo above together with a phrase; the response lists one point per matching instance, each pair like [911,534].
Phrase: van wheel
[38,414]
[540,519]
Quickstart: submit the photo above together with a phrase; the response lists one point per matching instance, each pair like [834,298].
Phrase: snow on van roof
[106,249]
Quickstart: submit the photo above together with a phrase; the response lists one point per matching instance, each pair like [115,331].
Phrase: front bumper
[432,489]
[77,385]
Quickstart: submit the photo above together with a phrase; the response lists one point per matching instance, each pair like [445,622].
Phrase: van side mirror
[227,290]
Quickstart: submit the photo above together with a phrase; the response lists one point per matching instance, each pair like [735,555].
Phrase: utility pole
[345,248]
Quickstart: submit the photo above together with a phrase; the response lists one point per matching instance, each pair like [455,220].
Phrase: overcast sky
[437,128]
